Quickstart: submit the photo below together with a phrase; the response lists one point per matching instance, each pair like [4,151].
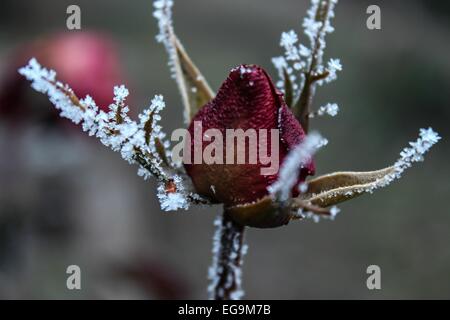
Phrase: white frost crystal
[163,13]
[409,155]
[299,57]
[236,249]
[333,212]
[115,129]
[173,201]
[330,109]
[414,153]
[296,158]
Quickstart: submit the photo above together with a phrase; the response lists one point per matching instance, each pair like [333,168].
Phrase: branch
[138,142]
[337,187]
[228,251]
[303,106]
[194,89]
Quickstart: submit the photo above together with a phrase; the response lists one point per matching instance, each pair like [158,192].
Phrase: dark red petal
[290,134]
[246,100]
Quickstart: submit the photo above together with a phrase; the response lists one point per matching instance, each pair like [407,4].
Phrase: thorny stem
[303,105]
[228,252]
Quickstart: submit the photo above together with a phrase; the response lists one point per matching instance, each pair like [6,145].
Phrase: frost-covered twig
[228,251]
[337,187]
[163,14]
[330,109]
[307,62]
[193,87]
[297,157]
[139,143]
[408,156]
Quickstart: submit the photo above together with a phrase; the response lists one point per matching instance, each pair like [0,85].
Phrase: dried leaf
[194,89]
[338,187]
[288,89]
[161,151]
[264,213]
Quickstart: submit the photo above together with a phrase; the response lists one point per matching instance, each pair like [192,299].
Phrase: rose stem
[228,251]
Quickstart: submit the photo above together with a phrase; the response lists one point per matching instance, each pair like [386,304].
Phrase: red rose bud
[88,62]
[246,100]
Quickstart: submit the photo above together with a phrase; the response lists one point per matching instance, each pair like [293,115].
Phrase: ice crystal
[330,109]
[120,94]
[334,65]
[304,59]
[163,13]
[303,187]
[288,42]
[409,155]
[316,217]
[135,141]
[213,272]
[173,200]
[233,261]
[414,153]
[280,64]
[243,70]
[296,158]
[333,212]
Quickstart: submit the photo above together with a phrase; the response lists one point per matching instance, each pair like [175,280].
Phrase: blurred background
[65,199]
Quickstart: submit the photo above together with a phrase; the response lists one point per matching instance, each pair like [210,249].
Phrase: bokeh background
[65,199]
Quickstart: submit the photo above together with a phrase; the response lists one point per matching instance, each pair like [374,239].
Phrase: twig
[228,251]
[303,105]
[300,204]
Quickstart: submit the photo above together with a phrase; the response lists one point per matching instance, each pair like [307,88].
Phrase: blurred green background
[65,199]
